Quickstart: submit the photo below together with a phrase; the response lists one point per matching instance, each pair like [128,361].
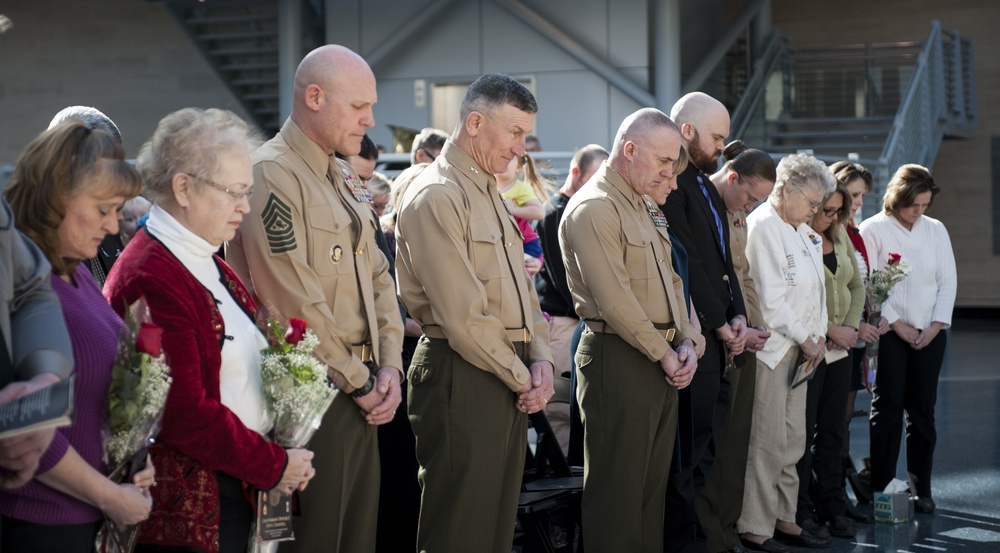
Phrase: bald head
[333,98]
[646,147]
[638,127]
[704,126]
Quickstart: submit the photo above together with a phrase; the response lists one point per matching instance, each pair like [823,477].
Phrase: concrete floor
[966,484]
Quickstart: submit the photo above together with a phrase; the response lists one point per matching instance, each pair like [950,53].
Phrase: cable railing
[882,105]
[940,101]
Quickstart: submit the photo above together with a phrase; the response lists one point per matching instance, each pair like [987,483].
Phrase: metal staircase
[882,105]
[239,40]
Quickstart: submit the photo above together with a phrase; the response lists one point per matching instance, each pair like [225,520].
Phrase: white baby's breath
[297,388]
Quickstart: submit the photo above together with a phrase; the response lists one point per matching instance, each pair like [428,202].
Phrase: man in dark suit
[697,217]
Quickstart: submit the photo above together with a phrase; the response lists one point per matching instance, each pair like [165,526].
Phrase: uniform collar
[618,181]
[315,158]
[455,156]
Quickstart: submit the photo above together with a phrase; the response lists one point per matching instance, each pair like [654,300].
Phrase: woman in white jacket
[786,264]
[919,307]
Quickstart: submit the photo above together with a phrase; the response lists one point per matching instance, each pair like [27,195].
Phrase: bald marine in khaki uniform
[638,348]
[307,249]
[483,363]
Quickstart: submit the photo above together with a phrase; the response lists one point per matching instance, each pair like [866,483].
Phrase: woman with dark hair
[858,181]
[918,308]
[197,173]
[66,192]
[820,500]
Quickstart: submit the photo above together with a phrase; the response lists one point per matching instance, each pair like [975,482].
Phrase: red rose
[296,329]
[894,258]
[147,340]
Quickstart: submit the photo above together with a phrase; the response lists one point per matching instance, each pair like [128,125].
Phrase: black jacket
[550,283]
[711,275]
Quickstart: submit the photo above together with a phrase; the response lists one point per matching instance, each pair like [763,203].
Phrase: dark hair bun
[733,149]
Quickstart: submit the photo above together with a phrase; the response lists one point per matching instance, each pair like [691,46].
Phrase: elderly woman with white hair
[196,169]
[786,263]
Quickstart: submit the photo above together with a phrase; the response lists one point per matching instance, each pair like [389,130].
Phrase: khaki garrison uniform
[617,255]
[307,249]
[460,269]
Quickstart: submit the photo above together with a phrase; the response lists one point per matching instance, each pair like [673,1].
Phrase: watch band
[366,389]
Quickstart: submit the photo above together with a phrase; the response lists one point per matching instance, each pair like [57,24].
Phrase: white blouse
[927,294]
[786,265]
[240,386]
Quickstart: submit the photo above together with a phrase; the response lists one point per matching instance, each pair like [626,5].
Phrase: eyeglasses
[815,204]
[237,196]
[429,153]
[833,212]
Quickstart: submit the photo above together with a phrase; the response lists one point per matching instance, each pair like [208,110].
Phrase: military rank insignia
[277,220]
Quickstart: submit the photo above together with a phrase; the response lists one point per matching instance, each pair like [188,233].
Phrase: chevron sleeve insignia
[277,220]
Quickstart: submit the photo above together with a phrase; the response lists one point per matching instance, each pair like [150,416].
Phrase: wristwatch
[366,389]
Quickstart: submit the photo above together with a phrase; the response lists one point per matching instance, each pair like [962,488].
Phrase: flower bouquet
[876,293]
[298,392]
[140,380]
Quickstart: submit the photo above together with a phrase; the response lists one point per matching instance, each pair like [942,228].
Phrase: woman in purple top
[66,191]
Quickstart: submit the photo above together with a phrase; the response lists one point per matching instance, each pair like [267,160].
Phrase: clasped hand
[379,405]
[734,335]
[536,392]
[680,364]
[813,350]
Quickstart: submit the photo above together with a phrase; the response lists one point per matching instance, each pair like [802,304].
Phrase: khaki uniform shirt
[738,247]
[617,256]
[307,249]
[460,267]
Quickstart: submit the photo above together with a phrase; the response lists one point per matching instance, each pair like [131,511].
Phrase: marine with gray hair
[484,363]
[639,346]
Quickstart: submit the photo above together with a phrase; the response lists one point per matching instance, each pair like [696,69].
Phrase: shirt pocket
[485,249]
[331,245]
[639,260]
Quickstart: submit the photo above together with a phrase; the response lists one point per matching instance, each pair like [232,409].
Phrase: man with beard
[697,216]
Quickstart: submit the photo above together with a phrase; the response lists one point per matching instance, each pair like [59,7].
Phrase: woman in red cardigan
[196,169]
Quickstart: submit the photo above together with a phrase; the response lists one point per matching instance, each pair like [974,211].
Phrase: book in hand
[50,407]
[274,516]
[804,371]
[834,355]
